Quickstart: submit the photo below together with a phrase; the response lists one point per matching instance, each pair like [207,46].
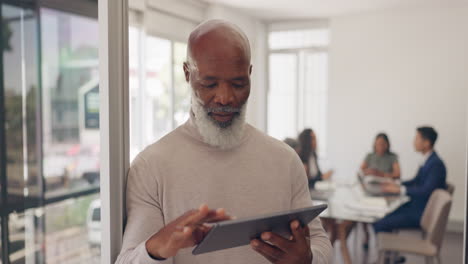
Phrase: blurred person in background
[292,143]
[382,161]
[308,154]
[430,176]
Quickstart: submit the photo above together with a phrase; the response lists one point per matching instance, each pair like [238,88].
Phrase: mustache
[225,109]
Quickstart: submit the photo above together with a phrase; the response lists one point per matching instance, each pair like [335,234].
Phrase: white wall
[394,71]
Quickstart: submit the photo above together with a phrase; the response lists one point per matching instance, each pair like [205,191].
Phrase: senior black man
[219,165]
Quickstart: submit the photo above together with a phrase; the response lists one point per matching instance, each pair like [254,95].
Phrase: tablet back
[235,233]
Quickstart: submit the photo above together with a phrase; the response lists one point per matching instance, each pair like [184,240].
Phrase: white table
[348,205]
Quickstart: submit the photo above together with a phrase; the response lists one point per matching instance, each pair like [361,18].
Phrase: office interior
[348,70]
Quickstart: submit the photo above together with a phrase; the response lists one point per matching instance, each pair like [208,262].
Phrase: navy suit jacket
[431,176]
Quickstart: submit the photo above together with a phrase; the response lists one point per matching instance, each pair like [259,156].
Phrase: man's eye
[237,85]
[211,85]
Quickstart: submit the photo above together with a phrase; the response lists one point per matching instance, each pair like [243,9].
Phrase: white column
[113,88]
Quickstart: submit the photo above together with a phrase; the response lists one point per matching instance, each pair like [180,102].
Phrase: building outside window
[49,124]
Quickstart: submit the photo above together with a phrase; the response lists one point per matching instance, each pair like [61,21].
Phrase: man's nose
[224,95]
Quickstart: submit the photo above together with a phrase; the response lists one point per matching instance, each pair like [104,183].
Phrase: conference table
[348,205]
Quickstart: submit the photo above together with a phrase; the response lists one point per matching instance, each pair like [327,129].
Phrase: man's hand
[295,250]
[390,187]
[186,231]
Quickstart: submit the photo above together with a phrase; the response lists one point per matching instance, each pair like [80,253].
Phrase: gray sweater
[179,172]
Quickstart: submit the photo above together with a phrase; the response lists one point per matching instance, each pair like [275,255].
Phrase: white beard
[212,133]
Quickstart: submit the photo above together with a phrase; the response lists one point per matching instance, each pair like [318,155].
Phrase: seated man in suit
[431,176]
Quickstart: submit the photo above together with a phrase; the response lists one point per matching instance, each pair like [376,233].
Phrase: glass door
[50,166]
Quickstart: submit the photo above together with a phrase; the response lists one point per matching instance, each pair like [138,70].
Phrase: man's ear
[186,72]
[427,144]
[250,69]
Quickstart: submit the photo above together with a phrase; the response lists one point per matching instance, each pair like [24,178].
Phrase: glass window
[298,80]
[295,39]
[158,89]
[72,231]
[315,97]
[20,89]
[51,126]
[70,101]
[62,232]
[282,92]
[20,84]
[181,87]
[159,94]
[25,237]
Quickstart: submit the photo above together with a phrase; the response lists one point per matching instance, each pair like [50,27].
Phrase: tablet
[235,233]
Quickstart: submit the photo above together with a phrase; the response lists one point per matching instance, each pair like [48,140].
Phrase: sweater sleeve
[319,241]
[144,215]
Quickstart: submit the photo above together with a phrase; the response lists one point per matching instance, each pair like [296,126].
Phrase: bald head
[218,39]
[218,69]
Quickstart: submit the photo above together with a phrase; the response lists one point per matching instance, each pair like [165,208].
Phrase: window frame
[299,53]
[3,180]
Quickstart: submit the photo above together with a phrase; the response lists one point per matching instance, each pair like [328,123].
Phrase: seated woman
[308,154]
[381,162]
[307,151]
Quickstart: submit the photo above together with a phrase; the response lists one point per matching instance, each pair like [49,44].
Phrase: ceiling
[275,10]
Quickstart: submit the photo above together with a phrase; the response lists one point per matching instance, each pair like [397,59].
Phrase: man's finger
[216,216]
[307,234]
[190,235]
[182,238]
[207,216]
[216,219]
[199,233]
[297,232]
[277,241]
[195,214]
[198,217]
[271,253]
[205,229]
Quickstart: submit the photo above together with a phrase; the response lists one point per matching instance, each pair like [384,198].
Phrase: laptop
[373,188]
[320,195]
